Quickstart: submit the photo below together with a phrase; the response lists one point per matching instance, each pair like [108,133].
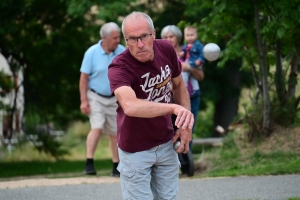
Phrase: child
[192,52]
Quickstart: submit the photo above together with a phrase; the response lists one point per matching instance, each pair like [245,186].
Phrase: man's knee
[95,131]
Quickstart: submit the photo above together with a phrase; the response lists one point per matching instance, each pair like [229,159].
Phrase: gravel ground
[37,182]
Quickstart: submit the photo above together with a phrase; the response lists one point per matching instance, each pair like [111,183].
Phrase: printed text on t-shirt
[158,88]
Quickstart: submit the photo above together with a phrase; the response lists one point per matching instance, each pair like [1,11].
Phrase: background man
[95,94]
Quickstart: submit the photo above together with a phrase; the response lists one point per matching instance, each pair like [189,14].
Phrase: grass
[279,154]
[54,169]
[204,122]
[25,160]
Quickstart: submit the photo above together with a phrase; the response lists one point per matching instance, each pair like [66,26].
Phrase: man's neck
[105,48]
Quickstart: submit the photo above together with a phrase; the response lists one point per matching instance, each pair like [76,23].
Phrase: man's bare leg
[91,145]
[115,155]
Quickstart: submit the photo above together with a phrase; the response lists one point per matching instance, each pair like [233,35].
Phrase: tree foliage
[49,38]
[264,33]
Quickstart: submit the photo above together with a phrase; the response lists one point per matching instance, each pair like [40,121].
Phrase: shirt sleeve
[118,76]
[201,55]
[86,63]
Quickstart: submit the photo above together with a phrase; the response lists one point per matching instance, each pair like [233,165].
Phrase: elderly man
[143,79]
[95,95]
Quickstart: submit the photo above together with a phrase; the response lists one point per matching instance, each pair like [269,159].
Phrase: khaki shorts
[103,113]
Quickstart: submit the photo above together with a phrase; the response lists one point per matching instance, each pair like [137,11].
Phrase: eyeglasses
[134,40]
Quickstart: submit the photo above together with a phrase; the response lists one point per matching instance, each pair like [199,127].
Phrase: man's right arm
[83,87]
[132,106]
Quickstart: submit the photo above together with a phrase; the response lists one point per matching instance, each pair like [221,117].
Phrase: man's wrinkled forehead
[139,25]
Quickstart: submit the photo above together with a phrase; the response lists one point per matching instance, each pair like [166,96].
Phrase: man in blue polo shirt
[95,94]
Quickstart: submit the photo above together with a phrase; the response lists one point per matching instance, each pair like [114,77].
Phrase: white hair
[107,28]
[136,15]
[174,29]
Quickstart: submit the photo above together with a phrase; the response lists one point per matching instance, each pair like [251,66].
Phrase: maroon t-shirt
[150,81]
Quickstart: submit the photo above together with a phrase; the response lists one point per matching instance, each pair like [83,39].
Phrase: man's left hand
[185,136]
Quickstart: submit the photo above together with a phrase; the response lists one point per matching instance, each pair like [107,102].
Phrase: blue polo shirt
[95,63]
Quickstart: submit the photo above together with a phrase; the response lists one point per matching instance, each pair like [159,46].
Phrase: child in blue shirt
[192,52]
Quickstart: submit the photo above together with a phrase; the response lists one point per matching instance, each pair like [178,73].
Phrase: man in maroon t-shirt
[144,78]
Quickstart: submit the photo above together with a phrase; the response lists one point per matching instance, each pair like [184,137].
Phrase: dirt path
[33,182]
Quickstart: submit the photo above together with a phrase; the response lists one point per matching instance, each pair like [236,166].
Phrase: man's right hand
[85,107]
[184,119]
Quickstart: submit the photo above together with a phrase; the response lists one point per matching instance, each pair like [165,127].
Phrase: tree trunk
[293,79]
[293,76]
[264,76]
[257,83]
[279,77]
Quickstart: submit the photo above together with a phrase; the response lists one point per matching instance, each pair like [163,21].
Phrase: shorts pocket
[125,170]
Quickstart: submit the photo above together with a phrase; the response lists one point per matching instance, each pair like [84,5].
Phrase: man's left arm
[180,93]
[181,97]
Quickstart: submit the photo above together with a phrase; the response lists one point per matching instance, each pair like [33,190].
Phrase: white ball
[211,51]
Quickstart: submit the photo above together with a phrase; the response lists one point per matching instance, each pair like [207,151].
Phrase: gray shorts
[153,170]
[103,113]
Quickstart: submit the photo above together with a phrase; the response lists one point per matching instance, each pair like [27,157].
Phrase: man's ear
[154,33]
[104,37]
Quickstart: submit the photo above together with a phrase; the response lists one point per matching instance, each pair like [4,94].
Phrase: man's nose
[140,43]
